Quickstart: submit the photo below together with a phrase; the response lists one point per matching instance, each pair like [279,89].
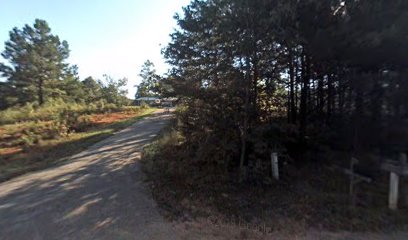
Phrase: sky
[113,37]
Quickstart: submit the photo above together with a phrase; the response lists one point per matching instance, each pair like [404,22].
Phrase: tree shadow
[40,157]
[94,194]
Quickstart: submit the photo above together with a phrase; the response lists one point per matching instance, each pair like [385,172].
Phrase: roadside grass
[309,197]
[52,110]
[19,159]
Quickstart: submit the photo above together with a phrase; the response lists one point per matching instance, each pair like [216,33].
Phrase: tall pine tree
[36,62]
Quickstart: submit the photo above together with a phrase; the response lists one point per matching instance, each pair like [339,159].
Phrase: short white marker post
[404,188]
[275,165]
[396,169]
[393,197]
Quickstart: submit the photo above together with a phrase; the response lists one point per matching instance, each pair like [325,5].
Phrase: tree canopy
[150,84]
[36,60]
[37,71]
[333,70]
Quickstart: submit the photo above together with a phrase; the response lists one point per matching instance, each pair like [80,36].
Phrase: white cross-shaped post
[396,170]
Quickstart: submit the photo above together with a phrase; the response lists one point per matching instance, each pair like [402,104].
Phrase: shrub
[15,114]
[33,133]
[73,121]
[131,109]
[53,110]
[29,138]
[54,130]
[144,105]
[110,107]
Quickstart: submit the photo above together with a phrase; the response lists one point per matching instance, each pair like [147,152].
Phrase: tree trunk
[255,88]
[242,169]
[40,92]
[376,99]
[245,127]
[320,96]
[292,104]
[341,95]
[330,97]
[304,95]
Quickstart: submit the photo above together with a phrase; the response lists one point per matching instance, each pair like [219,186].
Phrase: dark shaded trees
[323,66]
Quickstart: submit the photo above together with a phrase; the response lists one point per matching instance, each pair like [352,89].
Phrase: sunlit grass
[49,152]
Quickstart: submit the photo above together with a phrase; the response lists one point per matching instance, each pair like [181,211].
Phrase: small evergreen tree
[150,85]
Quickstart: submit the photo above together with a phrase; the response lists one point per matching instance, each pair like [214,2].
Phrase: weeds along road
[98,194]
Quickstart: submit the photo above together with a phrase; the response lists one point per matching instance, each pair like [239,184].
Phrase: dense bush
[30,124]
[34,133]
[133,109]
[52,111]
[60,121]
[74,121]
[254,74]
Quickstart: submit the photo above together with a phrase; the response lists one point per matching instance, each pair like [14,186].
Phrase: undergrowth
[53,110]
[32,145]
[307,196]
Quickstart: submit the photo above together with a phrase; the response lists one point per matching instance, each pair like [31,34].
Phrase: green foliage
[246,68]
[112,91]
[159,156]
[37,144]
[36,73]
[33,134]
[53,110]
[92,90]
[133,109]
[151,82]
[36,62]
[74,120]
[144,105]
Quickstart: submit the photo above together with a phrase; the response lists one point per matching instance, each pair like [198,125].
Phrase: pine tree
[150,85]
[92,89]
[36,62]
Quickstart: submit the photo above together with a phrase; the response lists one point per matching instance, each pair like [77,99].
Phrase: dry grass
[307,197]
[16,159]
[98,119]
[10,150]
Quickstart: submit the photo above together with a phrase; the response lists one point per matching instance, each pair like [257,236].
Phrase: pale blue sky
[105,36]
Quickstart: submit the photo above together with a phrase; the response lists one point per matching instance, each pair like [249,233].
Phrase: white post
[393,197]
[404,184]
[275,165]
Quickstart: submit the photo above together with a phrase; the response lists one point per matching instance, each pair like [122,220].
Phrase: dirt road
[98,194]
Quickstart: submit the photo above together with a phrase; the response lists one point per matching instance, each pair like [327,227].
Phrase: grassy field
[33,145]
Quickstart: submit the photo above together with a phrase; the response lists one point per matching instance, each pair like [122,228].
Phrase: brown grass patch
[10,151]
[306,197]
[107,118]
[17,158]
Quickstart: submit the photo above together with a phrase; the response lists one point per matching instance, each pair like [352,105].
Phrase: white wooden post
[393,197]
[404,186]
[275,165]
[396,169]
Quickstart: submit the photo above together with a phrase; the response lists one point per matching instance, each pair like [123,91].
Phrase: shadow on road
[98,194]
